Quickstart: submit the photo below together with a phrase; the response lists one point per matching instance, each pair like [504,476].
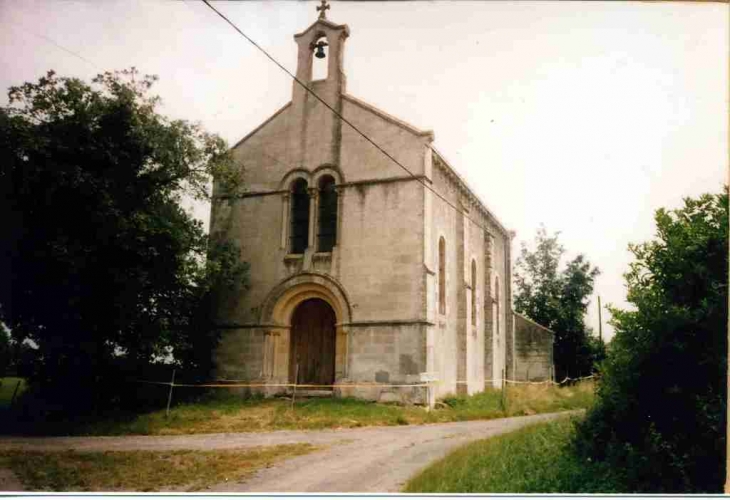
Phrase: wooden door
[313,343]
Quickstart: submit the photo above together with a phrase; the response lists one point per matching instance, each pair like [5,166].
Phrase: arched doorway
[312,344]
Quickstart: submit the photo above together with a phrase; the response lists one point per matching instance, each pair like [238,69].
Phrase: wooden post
[296,381]
[600,323]
[169,395]
[428,397]
[12,400]
[504,392]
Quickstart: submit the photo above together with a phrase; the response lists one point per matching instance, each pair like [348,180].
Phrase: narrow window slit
[327,231]
[299,236]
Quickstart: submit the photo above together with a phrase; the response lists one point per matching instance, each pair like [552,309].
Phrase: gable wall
[380,250]
[377,260]
[360,160]
[266,155]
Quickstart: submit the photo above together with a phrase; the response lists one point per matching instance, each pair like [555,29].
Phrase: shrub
[661,404]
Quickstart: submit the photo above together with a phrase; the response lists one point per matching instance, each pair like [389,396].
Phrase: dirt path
[373,459]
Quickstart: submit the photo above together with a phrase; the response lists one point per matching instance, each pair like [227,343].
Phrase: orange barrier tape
[234,383]
[309,386]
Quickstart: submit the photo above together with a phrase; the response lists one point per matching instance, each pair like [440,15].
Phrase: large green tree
[557,298]
[103,265]
[5,350]
[660,412]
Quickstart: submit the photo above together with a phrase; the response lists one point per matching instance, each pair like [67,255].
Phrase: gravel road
[371,459]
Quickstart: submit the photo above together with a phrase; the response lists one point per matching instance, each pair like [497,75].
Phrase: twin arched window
[326,216]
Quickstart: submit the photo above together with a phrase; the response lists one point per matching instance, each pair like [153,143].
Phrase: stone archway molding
[279,305]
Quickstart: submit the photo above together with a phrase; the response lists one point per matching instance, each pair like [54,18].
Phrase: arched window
[474,292]
[299,235]
[497,300]
[442,276]
[327,231]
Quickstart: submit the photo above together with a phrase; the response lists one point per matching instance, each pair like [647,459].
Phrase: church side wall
[487,350]
[499,275]
[475,252]
[444,225]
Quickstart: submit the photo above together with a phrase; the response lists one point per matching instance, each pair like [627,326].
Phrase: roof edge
[533,322]
[327,23]
[468,189]
[265,122]
[390,118]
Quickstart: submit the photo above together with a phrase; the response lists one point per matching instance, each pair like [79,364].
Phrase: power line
[342,118]
[59,46]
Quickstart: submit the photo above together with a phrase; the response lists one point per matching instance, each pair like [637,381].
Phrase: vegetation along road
[375,459]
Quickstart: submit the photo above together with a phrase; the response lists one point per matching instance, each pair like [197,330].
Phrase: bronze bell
[320,50]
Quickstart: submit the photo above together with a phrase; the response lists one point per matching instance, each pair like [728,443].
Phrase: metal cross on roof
[322,9]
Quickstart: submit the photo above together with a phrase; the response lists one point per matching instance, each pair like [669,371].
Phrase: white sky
[583,116]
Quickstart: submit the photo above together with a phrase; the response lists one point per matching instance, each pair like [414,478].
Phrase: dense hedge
[661,406]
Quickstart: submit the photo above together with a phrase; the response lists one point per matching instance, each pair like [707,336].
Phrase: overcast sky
[585,117]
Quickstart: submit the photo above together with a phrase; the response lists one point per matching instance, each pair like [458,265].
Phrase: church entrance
[312,343]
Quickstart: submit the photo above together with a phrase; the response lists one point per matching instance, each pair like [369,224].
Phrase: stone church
[363,280]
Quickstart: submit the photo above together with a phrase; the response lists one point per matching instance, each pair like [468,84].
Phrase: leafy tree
[557,299]
[660,411]
[5,350]
[107,268]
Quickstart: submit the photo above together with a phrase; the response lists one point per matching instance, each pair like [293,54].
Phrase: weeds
[186,470]
[231,413]
[536,459]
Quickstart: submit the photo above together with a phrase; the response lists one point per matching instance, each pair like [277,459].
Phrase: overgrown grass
[7,387]
[521,400]
[225,412]
[535,459]
[141,470]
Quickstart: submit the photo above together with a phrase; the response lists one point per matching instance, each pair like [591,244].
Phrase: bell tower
[316,130]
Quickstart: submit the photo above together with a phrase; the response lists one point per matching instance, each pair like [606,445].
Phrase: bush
[661,405]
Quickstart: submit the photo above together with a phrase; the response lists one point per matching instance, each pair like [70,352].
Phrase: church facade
[365,278]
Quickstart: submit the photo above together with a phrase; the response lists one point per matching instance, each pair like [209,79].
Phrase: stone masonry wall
[533,350]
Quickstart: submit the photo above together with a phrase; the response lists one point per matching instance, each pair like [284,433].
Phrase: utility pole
[600,323]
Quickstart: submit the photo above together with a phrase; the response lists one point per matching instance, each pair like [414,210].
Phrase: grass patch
[535,459]
[520,400]
[7,387]
[186,470]
[234,414]
[226,412]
